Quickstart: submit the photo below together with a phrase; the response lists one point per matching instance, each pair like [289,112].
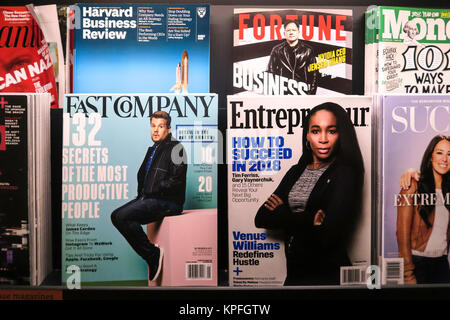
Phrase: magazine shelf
[221,72]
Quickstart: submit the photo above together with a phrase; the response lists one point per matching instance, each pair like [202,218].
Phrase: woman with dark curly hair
[318,199]
[423,229]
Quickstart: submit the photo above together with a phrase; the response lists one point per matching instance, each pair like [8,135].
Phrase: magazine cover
[26,64]
[292,51]
[48,20]
[265,157]
[25,231]
[130,161]
[413,50]
[14,259]
[370,50]
[415,213]
[140,48]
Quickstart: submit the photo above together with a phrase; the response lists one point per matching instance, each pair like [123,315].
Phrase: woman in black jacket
[318,199]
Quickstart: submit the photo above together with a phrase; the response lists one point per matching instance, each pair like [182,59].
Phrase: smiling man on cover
[161,192]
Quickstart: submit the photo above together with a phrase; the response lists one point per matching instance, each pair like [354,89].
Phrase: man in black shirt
[292,57]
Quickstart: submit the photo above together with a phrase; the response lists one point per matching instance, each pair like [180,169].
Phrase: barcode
[198,271]
[393,271]
[353,275]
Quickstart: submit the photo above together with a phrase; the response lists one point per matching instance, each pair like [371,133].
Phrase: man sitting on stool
[161,192]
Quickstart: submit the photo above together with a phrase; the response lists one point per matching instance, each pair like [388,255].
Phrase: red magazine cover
[25,64]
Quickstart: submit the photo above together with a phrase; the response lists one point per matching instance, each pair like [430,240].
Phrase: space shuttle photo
[182,70]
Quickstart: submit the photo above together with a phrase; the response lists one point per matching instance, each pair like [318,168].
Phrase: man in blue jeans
[161,192]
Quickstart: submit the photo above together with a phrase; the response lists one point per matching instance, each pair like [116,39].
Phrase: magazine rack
[220,82]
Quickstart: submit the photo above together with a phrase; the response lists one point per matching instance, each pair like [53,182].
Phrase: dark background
[221,47]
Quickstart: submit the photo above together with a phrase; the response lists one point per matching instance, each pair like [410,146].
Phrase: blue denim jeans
[130,217]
